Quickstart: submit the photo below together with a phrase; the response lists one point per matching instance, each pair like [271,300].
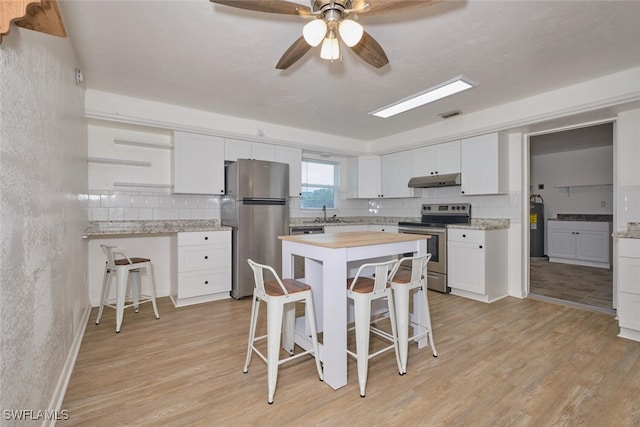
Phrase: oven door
[436,246]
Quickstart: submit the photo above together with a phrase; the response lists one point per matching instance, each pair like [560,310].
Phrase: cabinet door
[423,161]
[330,229]
[484,165]
[235,149]
[293,157]
[592,246]
[466,270]
[262,151]
[448,157]
[198,164]
[364,177]
[396,173]
[561,244]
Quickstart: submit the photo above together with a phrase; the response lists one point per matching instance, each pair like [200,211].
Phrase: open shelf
[118,162]
[140,184]
[123,141]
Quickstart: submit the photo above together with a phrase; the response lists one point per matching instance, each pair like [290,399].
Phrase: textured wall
[43,187]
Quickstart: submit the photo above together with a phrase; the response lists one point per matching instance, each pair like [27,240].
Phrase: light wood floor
[589,286]
[510,363]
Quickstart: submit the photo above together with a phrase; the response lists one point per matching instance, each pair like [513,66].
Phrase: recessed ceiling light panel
[432,94]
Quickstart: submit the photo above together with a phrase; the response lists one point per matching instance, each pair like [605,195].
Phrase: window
[319,184]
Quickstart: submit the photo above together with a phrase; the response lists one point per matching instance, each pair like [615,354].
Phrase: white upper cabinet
[439,159]
[484,164]
[396,174]
[364,177]
[235,149]
[262,151]
[198,163]
[293,157]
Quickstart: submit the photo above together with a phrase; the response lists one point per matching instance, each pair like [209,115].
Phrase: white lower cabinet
[628,309]
[478,263]
[579,242]
[345,228]
[201,267]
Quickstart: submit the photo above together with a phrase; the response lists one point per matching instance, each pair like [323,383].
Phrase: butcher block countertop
[352,239]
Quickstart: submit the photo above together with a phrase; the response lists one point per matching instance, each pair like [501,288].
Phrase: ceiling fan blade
[378,7]
[370,51]
[270,6]
[295,52]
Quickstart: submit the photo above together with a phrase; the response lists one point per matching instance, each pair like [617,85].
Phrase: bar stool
[123,268]
[402,282]
[276,293]
[363,291]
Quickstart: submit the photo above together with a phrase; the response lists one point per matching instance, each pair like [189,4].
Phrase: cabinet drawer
[469,236]
[201,237]
[203,283]
[629,248]
[202,257]
[629,311]
[629,275]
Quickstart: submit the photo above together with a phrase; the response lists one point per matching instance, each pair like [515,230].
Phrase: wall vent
[449,114]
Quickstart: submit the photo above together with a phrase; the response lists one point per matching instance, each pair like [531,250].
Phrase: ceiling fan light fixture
[350,31]
[330,47]
[314,32]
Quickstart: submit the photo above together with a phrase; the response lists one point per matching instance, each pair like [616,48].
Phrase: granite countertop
[483,224]
[476,223]
[105,228]
[632,231]
[351,220]
[583,217]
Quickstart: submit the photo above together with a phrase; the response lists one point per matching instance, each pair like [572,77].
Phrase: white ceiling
[221,59]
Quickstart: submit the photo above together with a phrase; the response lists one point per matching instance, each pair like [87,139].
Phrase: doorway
[571,183]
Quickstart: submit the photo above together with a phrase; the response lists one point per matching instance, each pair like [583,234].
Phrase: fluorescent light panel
[440,91]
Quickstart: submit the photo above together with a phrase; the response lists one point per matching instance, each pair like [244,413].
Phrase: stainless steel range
[434,221]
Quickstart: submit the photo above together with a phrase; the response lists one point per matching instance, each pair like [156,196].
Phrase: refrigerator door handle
[256,201]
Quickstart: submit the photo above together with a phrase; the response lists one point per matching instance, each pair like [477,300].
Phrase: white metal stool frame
[122,268]
[286,292]
[401,290]
[363,291]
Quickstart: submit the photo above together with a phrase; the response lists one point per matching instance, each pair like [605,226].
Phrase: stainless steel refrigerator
[255,206]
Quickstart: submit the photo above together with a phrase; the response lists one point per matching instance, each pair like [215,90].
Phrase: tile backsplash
[107,205]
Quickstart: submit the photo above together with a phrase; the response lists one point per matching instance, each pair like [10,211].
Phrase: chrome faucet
[324,212]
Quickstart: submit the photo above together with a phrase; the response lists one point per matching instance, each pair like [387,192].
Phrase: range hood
[447,180]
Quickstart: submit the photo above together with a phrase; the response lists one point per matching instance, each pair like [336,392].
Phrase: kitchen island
[326,259]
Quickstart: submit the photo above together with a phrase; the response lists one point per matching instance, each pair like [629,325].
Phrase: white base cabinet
[201,270]
[478,263]
[579,242]
[628,310]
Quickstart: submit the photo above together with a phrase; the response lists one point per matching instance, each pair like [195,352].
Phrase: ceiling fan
[332,21]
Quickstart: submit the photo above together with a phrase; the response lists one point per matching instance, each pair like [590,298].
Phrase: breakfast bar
[326,258]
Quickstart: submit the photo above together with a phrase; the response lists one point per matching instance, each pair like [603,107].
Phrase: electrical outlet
[540,186]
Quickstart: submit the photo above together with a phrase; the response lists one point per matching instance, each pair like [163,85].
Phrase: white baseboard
[61,388]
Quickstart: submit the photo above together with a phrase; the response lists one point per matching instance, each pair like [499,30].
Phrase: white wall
[589,172]
[43,186]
